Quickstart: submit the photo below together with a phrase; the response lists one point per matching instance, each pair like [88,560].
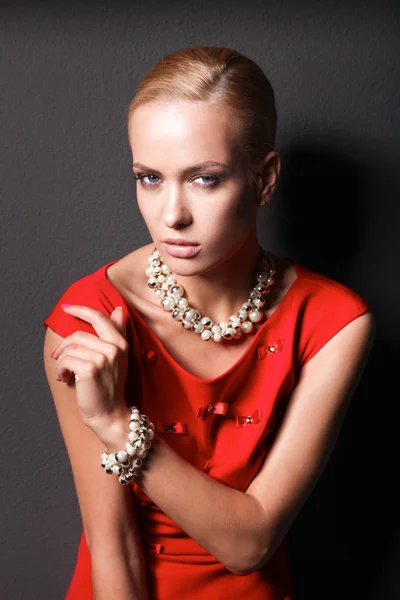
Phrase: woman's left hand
[99,365]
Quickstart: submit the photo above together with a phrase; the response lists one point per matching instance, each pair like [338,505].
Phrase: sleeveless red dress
[206,422]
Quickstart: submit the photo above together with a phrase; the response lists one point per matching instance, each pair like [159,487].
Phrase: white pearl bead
[190,314]
[132,435]
[198,328]
[130,449]
[215,329]
[223,324]
[178,292]
[133,426]
[234,320]
[167,304]
[122,455]
[160,293]
[161,278]
[217,337]
[111,459]
[186,324]
[247,326]
[206,334]
[170,279]
[164,286]
[258,302]
[183,302]
[243,314]
[104,457]
[115,469]
[150,434]
[149,272]
[164,268]
[255,316]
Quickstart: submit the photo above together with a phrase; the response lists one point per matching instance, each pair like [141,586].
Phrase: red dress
[206,422]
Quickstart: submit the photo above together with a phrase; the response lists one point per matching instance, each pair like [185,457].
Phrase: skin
[170,137]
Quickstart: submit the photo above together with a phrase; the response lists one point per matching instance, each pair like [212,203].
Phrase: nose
[176,209]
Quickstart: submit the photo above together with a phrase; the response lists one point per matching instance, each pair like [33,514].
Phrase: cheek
[235,210]
[149,214]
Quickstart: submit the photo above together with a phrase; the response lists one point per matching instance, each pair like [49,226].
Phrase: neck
[219,292]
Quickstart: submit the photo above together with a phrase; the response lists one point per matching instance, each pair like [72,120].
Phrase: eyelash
[214,183]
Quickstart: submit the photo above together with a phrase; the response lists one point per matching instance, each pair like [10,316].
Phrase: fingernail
[65,305]
[52,354]
[120,307]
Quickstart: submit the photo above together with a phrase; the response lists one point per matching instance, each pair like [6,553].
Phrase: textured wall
[68,205]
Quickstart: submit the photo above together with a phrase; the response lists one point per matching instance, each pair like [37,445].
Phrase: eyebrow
[208,163]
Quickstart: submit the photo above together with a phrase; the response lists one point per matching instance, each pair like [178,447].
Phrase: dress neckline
[281,306]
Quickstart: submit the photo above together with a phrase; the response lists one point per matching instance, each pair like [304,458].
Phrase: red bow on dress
[241,421]
[148,355]
[277,346]
[218,408]
[179,427]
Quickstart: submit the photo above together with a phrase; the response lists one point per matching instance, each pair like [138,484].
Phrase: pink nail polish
[65,305]
[52,354]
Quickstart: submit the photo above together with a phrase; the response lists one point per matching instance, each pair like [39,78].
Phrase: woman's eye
[209,180]
[214,180]
[141,178]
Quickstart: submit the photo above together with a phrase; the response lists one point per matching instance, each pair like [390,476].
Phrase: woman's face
[213,206]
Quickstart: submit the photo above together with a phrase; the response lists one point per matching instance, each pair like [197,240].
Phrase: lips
[182,251]
[177,242]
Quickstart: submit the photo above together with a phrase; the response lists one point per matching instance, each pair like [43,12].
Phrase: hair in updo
[223,76]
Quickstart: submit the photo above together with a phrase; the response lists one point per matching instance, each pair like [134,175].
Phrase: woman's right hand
[98,364]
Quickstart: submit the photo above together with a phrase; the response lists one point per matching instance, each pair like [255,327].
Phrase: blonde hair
[223,76]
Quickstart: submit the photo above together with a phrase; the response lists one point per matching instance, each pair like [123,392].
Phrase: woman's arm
[242,530]
[106,507]
[118,570]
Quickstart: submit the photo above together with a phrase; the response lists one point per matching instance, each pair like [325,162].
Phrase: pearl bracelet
[127,463]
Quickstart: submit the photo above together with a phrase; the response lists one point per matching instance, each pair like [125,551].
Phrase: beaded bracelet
[127,463]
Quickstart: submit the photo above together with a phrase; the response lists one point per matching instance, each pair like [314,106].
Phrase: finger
[97,358]
[103,325]
[117,317]
[89,340]
[79,367]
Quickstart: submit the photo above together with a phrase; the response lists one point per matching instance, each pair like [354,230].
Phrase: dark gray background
[68,73]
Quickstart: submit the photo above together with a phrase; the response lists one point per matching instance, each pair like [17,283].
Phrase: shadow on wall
[340,542]
[321,194]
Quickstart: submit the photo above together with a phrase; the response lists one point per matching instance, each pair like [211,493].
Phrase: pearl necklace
[165,287]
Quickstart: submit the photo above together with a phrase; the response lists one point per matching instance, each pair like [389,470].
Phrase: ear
[267,177]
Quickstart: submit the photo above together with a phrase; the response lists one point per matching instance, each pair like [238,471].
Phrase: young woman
[241,363]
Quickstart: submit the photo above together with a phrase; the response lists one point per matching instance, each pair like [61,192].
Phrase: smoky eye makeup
[207,179]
